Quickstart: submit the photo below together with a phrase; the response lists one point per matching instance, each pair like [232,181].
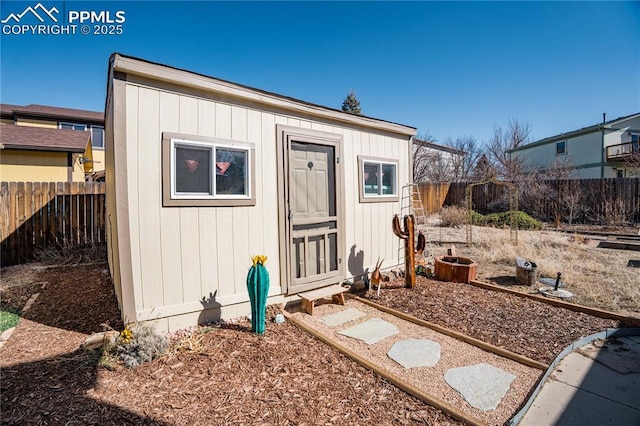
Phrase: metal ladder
[411,203]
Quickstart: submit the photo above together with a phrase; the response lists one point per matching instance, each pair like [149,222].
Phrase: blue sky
[450,68]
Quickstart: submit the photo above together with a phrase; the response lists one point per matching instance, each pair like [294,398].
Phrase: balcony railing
[623,151]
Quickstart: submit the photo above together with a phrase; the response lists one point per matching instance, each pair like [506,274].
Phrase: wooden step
[335,291]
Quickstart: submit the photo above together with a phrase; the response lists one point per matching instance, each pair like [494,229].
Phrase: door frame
[285,135]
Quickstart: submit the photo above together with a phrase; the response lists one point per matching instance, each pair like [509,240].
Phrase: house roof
[156,71]
[589,129]
[51,112]
[13,136]
[438,147]
[7,109]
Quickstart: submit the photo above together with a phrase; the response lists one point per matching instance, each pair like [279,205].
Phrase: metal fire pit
[455,269]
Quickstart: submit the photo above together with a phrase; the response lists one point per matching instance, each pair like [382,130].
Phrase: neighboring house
[50,144]
[436,163]
[604,150]
[202,174]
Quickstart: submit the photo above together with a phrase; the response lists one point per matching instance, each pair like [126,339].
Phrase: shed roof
[584,130]
[156,71]
[438,147]
[13,136]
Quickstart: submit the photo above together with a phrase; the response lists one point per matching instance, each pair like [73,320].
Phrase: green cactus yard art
[258,287]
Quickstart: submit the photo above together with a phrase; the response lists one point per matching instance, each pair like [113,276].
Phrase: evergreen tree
[483,170]
[351,104]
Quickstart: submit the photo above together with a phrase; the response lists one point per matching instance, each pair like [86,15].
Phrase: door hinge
[339,260]
[337,159]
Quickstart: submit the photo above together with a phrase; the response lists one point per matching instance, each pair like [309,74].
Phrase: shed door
[313,222]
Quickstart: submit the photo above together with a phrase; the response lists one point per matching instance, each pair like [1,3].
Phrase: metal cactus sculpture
[258,287]
[408,234]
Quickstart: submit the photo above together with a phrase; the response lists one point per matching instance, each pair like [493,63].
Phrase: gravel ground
[531,328]
[453,353]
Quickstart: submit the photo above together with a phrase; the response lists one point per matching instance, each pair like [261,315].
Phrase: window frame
[90,130]
[172,199]
[564,151]
[377,198]
[65,123]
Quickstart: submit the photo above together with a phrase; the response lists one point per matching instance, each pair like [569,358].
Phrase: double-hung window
[561,148]
[200,171]
[378,179]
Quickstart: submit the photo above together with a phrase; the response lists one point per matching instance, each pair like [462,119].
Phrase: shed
[202,174]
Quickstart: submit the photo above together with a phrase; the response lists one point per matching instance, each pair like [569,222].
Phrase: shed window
[378,179]
[207,172]
[561,148]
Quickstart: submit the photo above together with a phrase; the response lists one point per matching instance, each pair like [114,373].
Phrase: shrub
[502,220]
[453,216]
[8,320]
[70,254]
[138,343]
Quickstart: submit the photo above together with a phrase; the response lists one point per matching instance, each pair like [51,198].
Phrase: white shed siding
[182,255]
[180,260]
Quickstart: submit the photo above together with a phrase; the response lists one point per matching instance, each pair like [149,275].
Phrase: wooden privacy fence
[433,195]
[36,215]
[604,201]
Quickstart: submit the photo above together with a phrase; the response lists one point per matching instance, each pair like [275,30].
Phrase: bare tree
[428,164]
[508,166]
[631,163]
[563,193]
[464,164]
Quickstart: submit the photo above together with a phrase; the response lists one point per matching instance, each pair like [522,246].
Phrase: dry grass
[454,216]
[597,277]
[70,254]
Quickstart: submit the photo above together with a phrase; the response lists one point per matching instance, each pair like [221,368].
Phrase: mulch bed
[234,376]
[231,376]
[524,326]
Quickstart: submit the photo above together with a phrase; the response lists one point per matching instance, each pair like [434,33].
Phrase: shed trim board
[186,263]
[130,65]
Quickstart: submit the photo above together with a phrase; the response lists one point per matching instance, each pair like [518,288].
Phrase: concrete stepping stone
[371,331]
[342,317]
[412,353]
[482,385]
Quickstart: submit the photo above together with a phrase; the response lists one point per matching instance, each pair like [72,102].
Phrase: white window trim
[173,198]
[68,123]
[377,198]
[565,148]
[90,129]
